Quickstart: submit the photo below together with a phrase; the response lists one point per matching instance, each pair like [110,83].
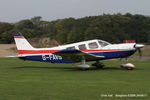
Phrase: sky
[16,10]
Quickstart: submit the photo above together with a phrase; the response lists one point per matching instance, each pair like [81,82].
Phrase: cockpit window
[93,45]
[103,43]
[82,47]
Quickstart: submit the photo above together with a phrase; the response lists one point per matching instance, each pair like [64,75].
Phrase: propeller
[140,52]
[138,48]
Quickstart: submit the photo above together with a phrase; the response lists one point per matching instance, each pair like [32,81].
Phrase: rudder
[21,42]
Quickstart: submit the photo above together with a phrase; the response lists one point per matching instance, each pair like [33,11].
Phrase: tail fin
[21,42]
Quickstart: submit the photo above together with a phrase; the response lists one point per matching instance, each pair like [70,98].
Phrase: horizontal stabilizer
[19,56]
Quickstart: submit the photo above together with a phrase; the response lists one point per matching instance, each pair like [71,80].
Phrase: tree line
[112,28]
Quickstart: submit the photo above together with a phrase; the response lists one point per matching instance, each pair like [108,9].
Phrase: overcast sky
[16,10]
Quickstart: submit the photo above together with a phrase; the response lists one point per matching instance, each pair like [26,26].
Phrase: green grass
[27,80]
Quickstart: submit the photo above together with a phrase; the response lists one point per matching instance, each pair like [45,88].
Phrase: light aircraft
[91,50]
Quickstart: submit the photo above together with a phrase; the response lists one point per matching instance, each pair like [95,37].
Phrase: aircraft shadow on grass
[66,68]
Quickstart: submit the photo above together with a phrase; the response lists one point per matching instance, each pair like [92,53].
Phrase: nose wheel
[127,66]
[98,65]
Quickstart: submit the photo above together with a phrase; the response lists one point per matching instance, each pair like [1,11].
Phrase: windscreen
[103,43]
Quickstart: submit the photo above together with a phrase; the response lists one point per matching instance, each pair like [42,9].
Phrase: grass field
[27,80]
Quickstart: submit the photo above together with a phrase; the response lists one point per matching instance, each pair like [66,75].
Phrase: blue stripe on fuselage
[114,54]
[48,58]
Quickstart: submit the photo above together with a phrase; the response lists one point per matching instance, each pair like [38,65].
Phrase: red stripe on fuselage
[53,51]
[18,37]
[36,51]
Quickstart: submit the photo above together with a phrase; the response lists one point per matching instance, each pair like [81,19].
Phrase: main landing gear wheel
[98,65]
[83,65]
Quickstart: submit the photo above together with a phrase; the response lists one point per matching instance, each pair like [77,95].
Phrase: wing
[76,55]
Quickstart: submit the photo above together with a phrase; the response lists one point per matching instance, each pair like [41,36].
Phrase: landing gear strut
[126,60]
[98,65]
